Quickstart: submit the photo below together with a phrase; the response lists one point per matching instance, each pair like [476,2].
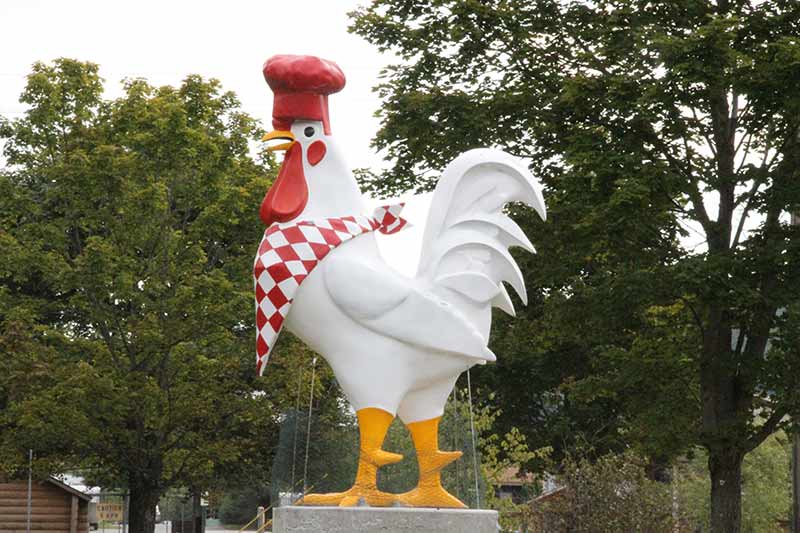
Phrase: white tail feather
[467,236]
[503,301]
[474,285]
[461,250]
[498,224]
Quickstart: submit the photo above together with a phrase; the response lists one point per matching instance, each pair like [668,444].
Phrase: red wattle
[289,194]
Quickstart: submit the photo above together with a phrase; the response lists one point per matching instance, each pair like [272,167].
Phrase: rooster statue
[396,344]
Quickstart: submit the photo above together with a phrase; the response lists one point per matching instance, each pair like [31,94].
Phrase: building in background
[55,507]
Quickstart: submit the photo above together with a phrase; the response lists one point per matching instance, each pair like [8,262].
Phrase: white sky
[166,40]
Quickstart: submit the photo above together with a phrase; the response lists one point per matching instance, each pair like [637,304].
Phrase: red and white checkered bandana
[287,255]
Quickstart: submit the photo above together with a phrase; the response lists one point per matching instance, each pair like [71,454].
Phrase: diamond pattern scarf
[290,251]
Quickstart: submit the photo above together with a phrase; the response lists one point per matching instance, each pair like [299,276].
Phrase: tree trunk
[197,512]
[726,406]
[726,491]
[143,502]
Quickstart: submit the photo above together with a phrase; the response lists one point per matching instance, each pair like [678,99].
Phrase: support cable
[308,428]
[474,446]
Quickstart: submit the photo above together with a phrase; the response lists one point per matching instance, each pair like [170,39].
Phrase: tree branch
[696,316]
[751,194]
[705,135]
[699,207]
[767,428]
[749,138]
[696,197]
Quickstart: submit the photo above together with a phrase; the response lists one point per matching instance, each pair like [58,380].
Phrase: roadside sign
[110,512]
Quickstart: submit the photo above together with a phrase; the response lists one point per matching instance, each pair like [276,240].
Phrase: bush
[240,506]
[610,494]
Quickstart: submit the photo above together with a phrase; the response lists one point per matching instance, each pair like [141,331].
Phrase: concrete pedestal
[295,519]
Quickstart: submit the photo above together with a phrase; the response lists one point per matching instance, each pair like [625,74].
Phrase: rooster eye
[309,131]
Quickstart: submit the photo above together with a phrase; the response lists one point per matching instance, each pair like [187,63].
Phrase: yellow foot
[435,496]
[351,497]
[364,488]
[429,491]
[372,423]
[432,462]
[381,457]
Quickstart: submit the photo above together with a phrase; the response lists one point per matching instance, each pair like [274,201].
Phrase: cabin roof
[63,486]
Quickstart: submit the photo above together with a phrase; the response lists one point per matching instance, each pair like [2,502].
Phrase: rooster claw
[430,497]
[351,498]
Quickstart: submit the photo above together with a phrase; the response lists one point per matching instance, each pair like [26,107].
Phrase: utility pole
[796,449]
[30,483]
[125,512]
[796,482]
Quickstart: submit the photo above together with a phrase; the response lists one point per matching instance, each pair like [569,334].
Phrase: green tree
[766,487]
[128,231]
[666,134]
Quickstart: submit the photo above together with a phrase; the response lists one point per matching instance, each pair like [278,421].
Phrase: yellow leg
[429,491]
[372,424]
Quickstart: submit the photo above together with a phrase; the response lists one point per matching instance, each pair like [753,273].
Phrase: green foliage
[665,134]
[612,493]
[175,505]
[126,247]
[766,487]
[501,456]
[239,507]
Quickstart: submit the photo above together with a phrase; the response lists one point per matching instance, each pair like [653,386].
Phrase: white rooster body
[396,344]
[399,343]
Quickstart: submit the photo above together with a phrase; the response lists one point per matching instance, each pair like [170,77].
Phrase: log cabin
[55,507]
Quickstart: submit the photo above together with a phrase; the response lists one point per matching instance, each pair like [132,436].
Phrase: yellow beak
[283,135]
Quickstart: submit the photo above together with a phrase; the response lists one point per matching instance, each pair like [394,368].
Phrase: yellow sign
[111,512]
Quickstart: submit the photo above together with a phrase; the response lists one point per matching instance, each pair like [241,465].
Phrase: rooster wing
[389,304]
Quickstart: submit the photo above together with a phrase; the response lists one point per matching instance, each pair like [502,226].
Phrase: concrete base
[296,519]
